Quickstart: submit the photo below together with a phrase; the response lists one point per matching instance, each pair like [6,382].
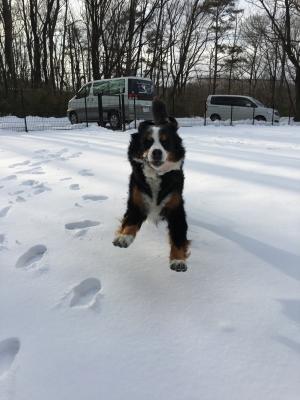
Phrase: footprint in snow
[81,224]
[29,182]
[74,186]
[65,179]
[41,151]
[17,192]
[94,197]
[41,188]
[40,163]
[2,238]
[33,171]
[86,172]
[20,199]
[9,348]
[19,164]
[81,233]
[4,211]
[31,257]
[9,178]
[85,294]
[75,155]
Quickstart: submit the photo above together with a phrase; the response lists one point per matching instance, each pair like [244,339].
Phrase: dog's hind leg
[178,238]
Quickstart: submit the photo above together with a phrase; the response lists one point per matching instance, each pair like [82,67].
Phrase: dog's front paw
[178,265]
[123,240]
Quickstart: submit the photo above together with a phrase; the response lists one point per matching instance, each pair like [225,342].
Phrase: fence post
[205,111]
[120,106]
[273,114]
[134,110]
[86,113]
[23,109]
[253,116]
[289,115]
[231,114]
[100,110]
[123,112]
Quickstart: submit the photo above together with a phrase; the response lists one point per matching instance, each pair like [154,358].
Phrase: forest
[191,48]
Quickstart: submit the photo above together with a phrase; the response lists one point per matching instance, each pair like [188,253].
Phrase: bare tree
[6,17]
[284,26]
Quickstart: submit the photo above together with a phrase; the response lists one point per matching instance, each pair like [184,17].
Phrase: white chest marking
[154,181]
[156,145]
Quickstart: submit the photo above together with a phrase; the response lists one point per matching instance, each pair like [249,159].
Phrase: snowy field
[83,320]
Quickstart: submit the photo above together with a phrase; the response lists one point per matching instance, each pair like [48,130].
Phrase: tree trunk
[37,70]
[216,53]
[8,39]
[297,90]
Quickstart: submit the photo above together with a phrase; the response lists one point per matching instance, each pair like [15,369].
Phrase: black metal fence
[125,112]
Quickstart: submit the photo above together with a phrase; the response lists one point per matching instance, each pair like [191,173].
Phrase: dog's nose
[157,154]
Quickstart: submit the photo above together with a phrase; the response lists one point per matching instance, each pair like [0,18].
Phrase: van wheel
[114,120]
[215,117]
[260,118]
[73,118]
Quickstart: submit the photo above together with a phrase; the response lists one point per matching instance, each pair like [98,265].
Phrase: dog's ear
[143,126]
[172,121]
[134,149]
[159,111]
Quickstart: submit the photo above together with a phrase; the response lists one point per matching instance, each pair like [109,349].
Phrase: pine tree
[223,14]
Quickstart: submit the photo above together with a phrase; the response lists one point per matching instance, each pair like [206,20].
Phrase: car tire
[73,118]
[215,117]
[260,118]
[114,120]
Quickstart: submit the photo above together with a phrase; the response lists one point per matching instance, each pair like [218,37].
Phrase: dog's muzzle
[157,157]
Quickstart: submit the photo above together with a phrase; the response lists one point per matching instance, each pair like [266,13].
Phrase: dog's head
[157,142]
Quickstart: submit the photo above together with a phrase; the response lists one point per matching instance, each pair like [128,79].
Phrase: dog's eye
[148,142]
[163,138]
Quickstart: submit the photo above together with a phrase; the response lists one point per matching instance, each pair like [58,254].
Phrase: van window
[141,88]
[242,102]
[232,101]
[101,88]
[84,91]
[221,100]
[117,86]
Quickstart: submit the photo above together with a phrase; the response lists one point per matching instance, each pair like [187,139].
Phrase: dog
[156,155]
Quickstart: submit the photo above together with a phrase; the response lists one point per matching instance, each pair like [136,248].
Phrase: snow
[82,319]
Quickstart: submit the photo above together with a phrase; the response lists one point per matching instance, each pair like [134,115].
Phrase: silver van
[219,107]
[139,91]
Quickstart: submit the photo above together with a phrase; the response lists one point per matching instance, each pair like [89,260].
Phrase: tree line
[53,46]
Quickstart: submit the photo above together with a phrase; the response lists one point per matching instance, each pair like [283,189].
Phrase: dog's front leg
[178,237]
[132,220]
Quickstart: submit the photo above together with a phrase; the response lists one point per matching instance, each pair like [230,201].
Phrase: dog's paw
[123,240]
[178,265]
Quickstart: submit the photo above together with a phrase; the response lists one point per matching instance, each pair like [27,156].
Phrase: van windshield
[141,88]
[259,103]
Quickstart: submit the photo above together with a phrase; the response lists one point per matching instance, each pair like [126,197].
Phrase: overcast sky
[243,4]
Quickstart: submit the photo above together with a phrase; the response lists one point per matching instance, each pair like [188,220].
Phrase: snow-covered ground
[81,319]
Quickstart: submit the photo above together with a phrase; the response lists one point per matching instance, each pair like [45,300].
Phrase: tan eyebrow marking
[163,136]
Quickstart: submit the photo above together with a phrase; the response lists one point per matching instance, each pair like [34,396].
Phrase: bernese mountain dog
[156,155]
